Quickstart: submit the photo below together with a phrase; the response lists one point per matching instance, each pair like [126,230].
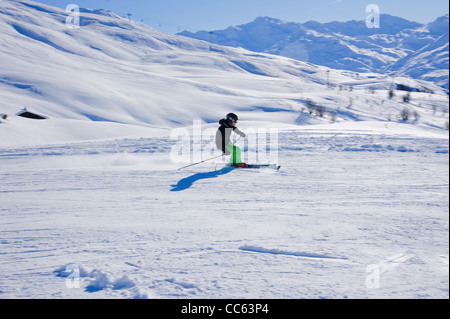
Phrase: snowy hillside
[115,70]
[429,63]
[344,45]
[93,204]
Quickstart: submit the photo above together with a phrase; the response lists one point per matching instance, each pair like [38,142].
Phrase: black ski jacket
[223,135]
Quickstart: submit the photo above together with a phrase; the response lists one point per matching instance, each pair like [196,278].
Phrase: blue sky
[194,15]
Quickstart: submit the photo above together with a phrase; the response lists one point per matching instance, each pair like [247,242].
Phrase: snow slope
[429,63]
[114,70]
[352,201]
[94,206]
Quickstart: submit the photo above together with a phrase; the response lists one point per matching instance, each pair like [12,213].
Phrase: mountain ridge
[339,45]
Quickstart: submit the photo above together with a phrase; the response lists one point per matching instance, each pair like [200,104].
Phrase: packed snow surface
[350,202]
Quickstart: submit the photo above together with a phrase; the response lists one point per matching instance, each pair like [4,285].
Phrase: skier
[223,141]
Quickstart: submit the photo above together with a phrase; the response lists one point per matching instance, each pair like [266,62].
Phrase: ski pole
[200,162]
[206,160]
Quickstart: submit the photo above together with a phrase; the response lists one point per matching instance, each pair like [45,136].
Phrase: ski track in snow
[341,203]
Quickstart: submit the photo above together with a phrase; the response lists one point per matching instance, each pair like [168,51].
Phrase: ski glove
[237,131]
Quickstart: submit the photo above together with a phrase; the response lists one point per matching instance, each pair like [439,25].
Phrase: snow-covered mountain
[344,45]
[430,62]
[114,70]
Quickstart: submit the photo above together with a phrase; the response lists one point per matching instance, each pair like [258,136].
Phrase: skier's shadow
[187,182]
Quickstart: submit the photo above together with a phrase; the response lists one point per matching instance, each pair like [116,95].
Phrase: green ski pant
[235,151]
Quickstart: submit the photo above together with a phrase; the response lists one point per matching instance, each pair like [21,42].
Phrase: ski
[257,166]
